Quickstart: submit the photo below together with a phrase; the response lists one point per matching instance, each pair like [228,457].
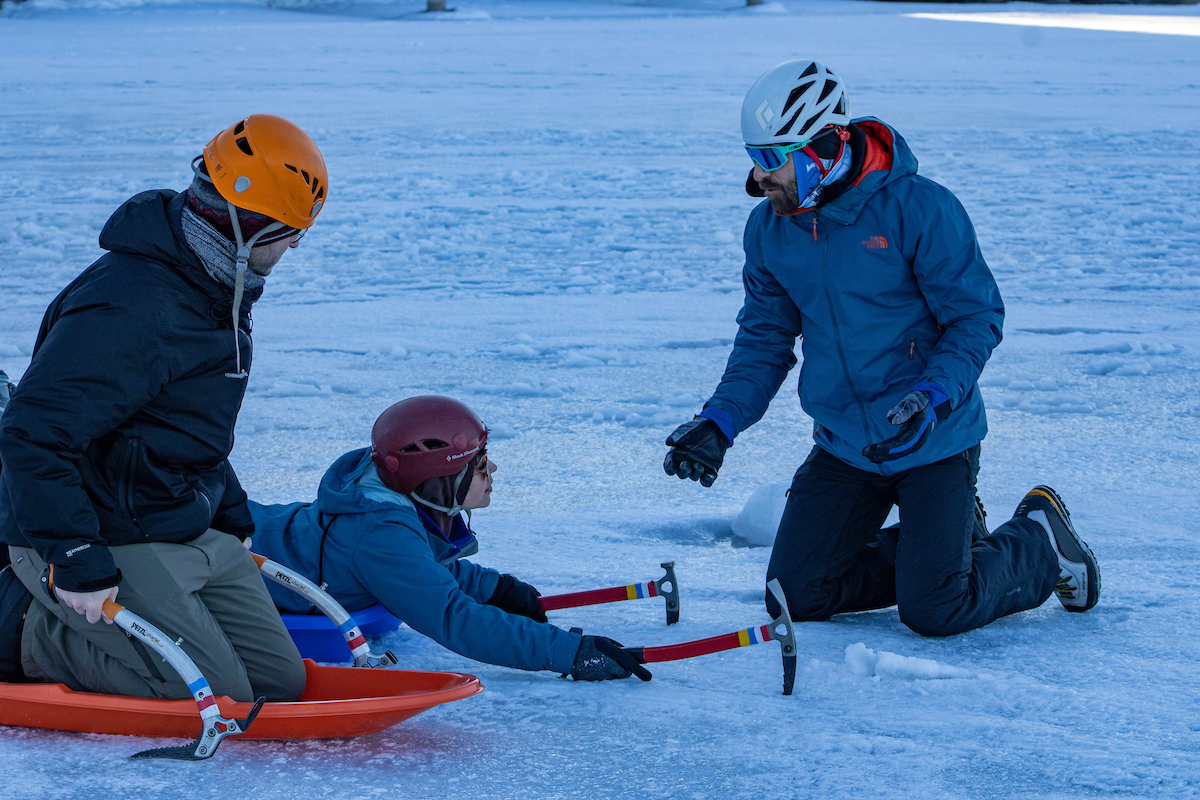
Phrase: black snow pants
[830,556]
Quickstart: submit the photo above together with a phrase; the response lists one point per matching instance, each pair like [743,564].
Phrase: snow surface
[537,207]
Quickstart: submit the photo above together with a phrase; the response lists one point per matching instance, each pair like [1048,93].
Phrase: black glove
[697,451]
[601,659]
[916,422]
[515,597]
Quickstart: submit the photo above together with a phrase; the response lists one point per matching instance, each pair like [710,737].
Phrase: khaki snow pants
[208,592]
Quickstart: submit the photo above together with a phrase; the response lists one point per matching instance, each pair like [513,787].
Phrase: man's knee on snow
[932,621]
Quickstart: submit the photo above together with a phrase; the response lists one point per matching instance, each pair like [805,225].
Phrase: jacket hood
[886,159]
[338,493]
[148,225]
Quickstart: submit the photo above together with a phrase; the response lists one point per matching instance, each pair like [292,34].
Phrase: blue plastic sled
[317,638]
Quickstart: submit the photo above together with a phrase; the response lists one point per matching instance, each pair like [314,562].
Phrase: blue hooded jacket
[888,287]
[378,550]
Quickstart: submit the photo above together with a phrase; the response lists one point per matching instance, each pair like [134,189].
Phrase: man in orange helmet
[115,445]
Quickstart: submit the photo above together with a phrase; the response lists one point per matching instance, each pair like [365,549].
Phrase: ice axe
[779,630]
[666,587]
[339,616]
[215,726]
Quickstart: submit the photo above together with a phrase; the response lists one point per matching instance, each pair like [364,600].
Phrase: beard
[784,195]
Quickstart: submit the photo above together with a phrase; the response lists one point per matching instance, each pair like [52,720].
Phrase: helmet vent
[830,86]
[808,124]
[317,191]
[293,169]
[307,179]
[811,69]
[795,95]
[787,128]
[424,446]
[241,126]
[244,145]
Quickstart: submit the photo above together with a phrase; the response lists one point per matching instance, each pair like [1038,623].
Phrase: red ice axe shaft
[779,630]
[666,587]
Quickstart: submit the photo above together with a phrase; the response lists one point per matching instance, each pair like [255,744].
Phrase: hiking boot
[1078,586]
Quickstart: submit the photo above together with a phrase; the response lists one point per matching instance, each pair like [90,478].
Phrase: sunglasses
[285,233]
[772,157]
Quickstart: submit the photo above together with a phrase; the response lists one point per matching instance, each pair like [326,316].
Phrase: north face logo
[876,243]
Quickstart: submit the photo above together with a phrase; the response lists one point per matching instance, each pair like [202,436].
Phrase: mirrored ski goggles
[772,157]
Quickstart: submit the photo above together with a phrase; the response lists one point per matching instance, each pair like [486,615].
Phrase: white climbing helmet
[791,102]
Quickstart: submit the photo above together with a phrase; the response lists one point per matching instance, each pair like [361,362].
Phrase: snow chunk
[518,351]
[517,389]
[759,519]
[862,660]
[501,430]
[577,359]
[292,389]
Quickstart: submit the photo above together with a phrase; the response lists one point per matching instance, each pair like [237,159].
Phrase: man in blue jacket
[879,270]
[116,482]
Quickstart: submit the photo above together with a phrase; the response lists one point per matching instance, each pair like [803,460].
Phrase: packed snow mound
[758,521]
[862,660]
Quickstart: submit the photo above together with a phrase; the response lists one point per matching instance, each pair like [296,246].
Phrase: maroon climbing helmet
[422,438]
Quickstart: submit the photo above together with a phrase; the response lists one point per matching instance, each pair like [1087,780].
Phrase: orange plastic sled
[338,701]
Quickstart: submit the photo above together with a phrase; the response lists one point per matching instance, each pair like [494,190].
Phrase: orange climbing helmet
[268,165]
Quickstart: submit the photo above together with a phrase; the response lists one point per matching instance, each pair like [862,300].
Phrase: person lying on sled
[388,527]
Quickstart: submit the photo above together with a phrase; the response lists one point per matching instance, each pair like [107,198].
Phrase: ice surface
[513,199]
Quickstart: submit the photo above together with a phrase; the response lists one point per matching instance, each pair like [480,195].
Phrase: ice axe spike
[339,616]
[666,587]
[786,639]
[779,630]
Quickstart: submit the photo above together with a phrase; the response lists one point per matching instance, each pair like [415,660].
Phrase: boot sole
[1085,554]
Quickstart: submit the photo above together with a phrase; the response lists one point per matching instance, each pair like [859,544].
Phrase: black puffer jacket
[120,429]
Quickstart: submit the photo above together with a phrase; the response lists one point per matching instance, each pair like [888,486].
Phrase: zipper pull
[814,226]
[912,345]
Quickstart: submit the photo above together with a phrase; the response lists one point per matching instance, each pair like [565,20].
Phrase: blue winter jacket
[378,550]
[888,287]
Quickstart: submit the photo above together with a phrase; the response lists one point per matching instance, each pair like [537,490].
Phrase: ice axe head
[668,588]
[783,632]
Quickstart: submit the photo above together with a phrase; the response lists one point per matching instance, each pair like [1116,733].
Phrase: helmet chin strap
[243,261]
[455,509]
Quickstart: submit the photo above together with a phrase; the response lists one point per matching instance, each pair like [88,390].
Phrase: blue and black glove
[916,415]
[601,659]
[697,451]
[516,597]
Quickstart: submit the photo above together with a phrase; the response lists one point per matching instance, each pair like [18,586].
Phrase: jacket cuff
[68,582]
[723,419]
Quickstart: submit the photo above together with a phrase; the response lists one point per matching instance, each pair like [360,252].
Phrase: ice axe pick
[780,630]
